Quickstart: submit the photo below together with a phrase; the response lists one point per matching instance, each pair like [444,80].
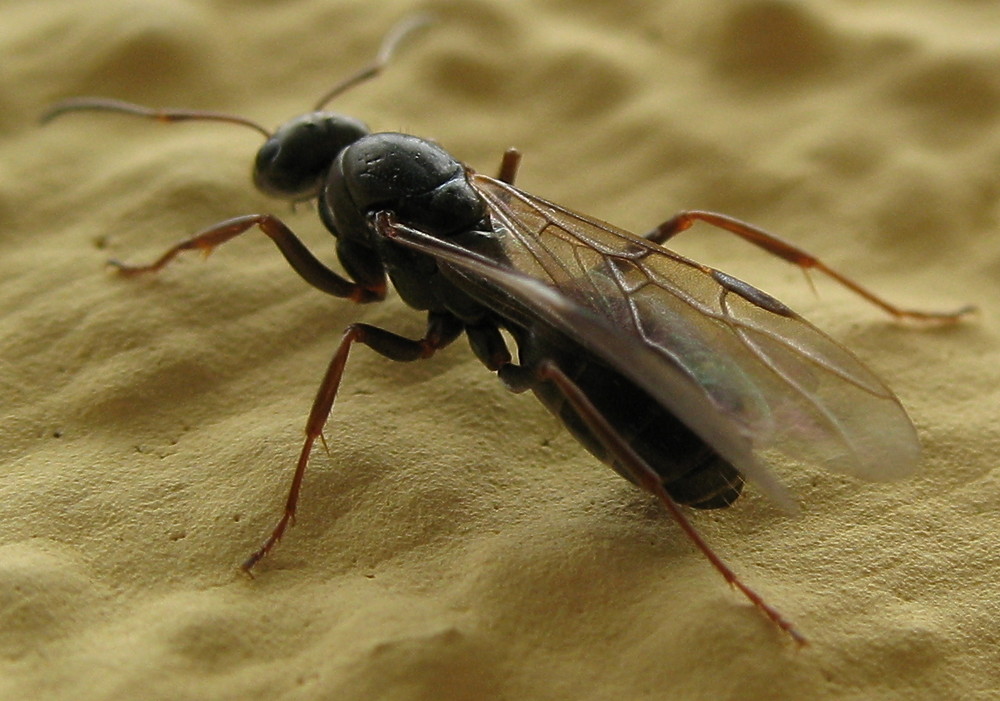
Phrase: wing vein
[757,373]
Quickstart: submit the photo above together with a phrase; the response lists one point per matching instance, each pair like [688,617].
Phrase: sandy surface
[456,543]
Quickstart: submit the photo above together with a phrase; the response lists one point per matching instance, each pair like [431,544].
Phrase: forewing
[739,368]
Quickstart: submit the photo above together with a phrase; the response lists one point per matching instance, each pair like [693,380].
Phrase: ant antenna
[108,104]
[390,44]
[386,51]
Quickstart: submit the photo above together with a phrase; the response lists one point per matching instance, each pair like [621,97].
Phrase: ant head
[295,158]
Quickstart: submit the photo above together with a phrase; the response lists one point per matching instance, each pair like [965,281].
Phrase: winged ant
[678,375]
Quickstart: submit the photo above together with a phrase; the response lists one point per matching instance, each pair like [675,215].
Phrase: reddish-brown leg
[647,478]
[774,245]
[297,255]
[509,164]
[442,329]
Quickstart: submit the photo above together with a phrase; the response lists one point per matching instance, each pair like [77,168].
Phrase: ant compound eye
[267,155]
[293,162]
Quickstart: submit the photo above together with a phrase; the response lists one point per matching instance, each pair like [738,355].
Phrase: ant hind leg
[683,221]
[509,164]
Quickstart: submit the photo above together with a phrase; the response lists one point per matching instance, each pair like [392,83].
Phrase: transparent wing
[743,371]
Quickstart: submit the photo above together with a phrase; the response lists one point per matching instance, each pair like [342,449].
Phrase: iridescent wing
[740,369]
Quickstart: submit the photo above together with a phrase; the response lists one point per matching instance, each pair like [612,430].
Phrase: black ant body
[676,374]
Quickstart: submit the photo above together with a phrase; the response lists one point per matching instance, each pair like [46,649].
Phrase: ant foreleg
[776,246]
[297,255]
[442,329]
[643,475]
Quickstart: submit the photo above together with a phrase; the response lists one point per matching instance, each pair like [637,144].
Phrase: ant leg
[509,164]
[297,255]
[442,329]
[774,245]
[488,345]
[643,475]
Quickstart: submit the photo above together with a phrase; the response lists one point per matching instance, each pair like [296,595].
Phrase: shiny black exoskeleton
[427,189]
[355,173]
[610,329]
[358,177]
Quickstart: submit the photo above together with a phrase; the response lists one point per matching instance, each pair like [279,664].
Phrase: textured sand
[456,544]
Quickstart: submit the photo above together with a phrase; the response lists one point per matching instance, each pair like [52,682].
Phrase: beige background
[456,544]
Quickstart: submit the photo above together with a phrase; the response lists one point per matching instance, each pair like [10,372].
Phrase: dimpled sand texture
[455,542]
